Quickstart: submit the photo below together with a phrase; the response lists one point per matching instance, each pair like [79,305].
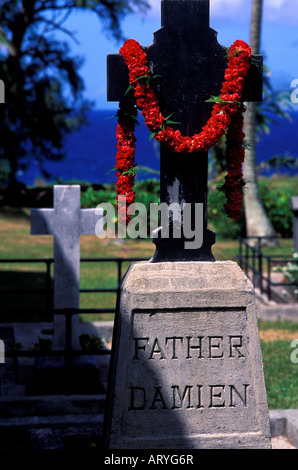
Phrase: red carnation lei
[125,160]
[226,114]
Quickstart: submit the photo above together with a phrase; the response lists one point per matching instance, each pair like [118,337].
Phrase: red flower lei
[227,113]
[125,158]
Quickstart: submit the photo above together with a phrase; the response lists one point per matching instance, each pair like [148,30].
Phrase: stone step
[52,405]
[285,423]
[51,432]
[79,431]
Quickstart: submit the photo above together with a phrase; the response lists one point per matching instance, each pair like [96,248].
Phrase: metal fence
[47,291]
[258,266]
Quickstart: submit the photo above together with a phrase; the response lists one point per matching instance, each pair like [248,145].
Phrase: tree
[257,222]
[43,89]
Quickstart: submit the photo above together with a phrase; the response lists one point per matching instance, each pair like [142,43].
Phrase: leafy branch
[147,79]
[254,61]
[219,100]
[168,122]
[131,171]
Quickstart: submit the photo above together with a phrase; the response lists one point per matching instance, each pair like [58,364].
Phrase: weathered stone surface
[186,363]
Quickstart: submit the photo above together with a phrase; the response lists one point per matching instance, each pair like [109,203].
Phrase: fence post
[240,252]
[2,92]
[260,267]
[2,352]
[261,272]
[269,278]
[68,345]
[253,266]
[68,349]
[246,258]
[48,288]
[119,265]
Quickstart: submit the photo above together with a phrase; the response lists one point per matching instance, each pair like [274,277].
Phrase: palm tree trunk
[257,221]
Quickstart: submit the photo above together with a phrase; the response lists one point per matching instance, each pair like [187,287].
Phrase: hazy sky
[229,17]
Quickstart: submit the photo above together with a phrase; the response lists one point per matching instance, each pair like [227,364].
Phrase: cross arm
[118,82]
[117,79]
[42,221]
[89,219]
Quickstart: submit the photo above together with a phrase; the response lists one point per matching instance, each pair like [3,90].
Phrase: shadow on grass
[15,213]
[24,297]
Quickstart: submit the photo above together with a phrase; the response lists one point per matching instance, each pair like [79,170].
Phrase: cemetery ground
[281,375]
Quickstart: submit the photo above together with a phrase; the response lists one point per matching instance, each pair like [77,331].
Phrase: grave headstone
[66,221]
[294,207]
[186,368]
[186,364]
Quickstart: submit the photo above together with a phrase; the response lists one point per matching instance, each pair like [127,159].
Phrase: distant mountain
[90,152]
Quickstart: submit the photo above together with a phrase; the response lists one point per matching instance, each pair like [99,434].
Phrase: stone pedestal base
[186,369]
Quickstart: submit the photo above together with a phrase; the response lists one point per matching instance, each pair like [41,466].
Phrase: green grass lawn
[281,375]
[17,242]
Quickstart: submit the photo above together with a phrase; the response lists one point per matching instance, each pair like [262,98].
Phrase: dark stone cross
[186,54]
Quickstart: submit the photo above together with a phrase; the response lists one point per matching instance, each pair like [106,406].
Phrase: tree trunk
[257,221]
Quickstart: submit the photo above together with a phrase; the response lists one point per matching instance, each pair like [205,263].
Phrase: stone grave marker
[186,368]
[66,221]
[294,207]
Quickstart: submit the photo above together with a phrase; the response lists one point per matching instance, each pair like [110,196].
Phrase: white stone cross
[67,221]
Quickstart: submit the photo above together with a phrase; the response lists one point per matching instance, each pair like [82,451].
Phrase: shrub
[218,220]
[276,197]
[275,194]
[90,343]
[91,197]
[290,271]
